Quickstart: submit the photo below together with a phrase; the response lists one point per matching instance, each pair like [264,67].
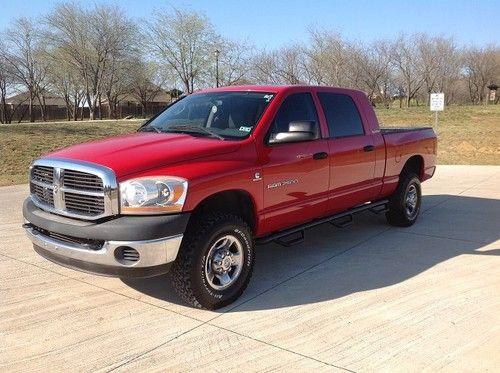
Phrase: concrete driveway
[365,298]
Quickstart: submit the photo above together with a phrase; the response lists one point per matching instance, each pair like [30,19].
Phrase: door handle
[320,155]
[369,148]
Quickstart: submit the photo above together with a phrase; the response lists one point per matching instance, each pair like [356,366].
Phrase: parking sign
[437,101]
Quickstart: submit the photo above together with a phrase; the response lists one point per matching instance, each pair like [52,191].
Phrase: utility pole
[217,52]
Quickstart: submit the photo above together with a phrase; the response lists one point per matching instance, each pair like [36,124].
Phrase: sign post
[437,104]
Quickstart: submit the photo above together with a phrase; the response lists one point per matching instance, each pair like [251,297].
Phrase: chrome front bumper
[155,256]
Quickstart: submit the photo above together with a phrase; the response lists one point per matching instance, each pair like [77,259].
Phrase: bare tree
[440,64]
[264,68]
[407,62]
[234,62]
[185,41]
[66,82]
[282,66]
[147,83]
[6,85]
[327,58]
[373,72]
[90,39]
[481,69]
[26,58]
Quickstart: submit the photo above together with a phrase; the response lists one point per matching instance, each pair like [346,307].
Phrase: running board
[347,216]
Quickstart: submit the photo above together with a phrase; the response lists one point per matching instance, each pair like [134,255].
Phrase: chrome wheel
[411,201]
[224,262]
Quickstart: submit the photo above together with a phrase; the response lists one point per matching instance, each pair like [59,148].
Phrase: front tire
[215,262]
[404,204]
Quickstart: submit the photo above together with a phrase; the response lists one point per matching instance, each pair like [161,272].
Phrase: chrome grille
[74,188]
[43,174]
[82,180]
[44,194]
[82,204]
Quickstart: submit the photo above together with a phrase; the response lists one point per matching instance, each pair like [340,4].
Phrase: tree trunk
[75,110]
[41,102]
[100,107]
[4,110]
[30,109]
[91,108]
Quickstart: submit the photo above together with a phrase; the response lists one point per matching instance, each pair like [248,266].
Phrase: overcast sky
[271,23]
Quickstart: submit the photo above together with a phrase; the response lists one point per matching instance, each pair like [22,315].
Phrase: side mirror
[297,131]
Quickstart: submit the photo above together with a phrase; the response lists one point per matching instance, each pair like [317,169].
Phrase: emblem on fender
[282,183]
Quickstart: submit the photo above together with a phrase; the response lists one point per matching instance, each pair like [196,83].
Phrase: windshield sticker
[245,129]
[268,97]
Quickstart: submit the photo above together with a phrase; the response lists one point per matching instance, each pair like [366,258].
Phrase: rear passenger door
[351,153]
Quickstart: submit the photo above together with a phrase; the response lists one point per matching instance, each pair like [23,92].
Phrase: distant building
[130,104]
[19,106]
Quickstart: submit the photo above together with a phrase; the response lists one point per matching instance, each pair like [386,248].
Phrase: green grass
[467,135]
[21,143]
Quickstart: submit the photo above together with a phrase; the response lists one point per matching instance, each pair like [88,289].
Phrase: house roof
[23,98]
[162,97]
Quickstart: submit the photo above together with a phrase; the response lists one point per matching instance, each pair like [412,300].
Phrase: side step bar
[378,207]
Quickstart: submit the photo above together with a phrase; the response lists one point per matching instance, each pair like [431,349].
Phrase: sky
[271,24]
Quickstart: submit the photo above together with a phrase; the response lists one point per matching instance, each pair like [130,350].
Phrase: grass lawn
[467,135]
[21,143]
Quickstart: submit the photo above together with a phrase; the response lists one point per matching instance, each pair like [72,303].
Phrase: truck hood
[131,154]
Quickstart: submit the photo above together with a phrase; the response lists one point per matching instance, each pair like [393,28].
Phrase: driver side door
[295,175]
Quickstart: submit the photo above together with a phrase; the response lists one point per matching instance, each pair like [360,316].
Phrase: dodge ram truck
[216,173]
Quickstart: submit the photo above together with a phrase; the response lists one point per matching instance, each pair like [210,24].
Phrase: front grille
[44,194]
[82,181]
[66,190]
[83,242]
[43,174]
[83,204]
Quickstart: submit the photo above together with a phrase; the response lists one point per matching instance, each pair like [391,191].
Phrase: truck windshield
[221,115]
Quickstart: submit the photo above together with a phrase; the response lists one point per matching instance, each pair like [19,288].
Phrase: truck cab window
[296,107]
[341,114]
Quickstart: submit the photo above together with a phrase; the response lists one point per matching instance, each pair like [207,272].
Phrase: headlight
[153,195]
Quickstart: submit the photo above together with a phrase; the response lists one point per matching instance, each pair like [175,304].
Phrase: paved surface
[365,298]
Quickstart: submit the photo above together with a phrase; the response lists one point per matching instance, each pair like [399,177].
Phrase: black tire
[189,271]
[400,212]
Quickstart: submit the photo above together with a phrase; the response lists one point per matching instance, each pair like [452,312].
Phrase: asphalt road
[369,297]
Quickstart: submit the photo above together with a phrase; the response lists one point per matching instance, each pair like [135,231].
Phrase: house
[18,105]
[130,104]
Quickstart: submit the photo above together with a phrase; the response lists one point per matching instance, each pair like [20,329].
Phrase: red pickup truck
[214,174]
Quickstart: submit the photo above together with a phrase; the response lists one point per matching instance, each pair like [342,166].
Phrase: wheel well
[236,202]
[414,164]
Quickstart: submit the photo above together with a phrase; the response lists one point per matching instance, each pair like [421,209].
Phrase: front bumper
[152,255]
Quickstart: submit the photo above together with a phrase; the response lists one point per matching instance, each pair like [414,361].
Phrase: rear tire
[404,204]
[215,262]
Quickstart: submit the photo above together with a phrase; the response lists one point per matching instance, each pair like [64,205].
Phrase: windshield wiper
[149,129]
[193,129]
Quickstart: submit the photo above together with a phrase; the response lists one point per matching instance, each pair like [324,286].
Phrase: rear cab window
[341,114]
